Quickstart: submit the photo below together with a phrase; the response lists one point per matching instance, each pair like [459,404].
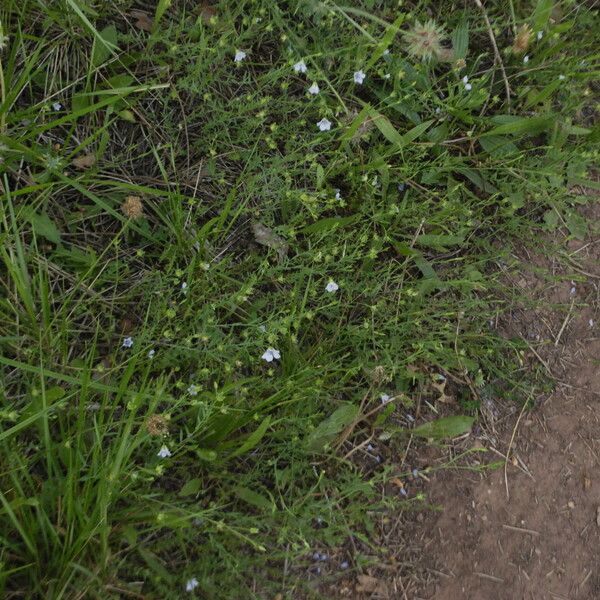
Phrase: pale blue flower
[300,67]
[359,77]
[271,354]
[164,452]
[191,584]
[314,89]
[324,124]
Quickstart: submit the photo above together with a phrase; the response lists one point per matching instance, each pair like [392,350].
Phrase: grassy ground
[173,216]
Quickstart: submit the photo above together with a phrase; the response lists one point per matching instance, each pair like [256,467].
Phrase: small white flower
[324,124]
[127,342]
[438,110]
[262,328]
[338,195]
[191,584]
[561,77]
[193,389]
[539,35]
[151,353]
[57,106]
[164,452]
[387,76]
[465,79]
[271,354]
[386,52]
[240,55]
[526,59]
[300,67]
[184,287]
[385,399]
[468,87]
[359,77]
[331,287]
[314,89]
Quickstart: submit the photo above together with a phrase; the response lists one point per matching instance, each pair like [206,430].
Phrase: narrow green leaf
[537,98]
[328,429]
[446,427]
[360,118]
[161,7]
[329,223]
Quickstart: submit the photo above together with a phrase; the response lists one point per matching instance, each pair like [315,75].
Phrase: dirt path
[533,533]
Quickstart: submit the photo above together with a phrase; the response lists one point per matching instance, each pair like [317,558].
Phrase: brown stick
[498,58]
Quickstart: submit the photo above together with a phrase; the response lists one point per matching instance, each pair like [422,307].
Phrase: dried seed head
[460,64]
[157,425]
[522,39]
[132,207]
[424,41]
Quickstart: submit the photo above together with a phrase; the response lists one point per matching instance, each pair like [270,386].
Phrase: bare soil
[531,531]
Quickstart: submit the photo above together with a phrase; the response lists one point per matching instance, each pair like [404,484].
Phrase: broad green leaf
[460,40]
[577,225]
[551,219]
[391,134]
[44,226]
[541,15]
[191,488]
[441,241]
[498,146]
[207,455]
[520,125]
[329,223]
[104,45]
[387,129]
[54,393]
[254,498]
[446,427]
[416,132]
[570,129]
[328,429]
[253,439]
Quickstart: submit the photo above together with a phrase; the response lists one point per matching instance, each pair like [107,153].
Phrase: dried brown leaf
[144,21]
[85,161]
[367,584]
[207,12]
[267,237]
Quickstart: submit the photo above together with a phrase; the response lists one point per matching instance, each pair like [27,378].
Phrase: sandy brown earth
[532,531]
